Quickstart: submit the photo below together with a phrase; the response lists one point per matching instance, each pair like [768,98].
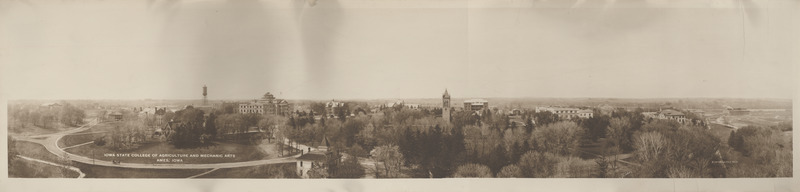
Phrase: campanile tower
[446,106]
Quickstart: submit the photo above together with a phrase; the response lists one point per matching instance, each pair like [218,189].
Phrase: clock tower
[446,106]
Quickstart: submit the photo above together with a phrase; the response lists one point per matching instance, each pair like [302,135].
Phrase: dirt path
[80,173]
[204,173]
[78,145]
[370,169]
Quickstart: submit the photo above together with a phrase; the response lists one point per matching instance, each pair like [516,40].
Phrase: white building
[672,115]
[331,106]
[567,112]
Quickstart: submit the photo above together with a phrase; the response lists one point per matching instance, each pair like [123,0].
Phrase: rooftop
[476,101]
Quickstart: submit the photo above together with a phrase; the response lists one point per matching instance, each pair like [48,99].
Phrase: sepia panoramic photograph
[401,91]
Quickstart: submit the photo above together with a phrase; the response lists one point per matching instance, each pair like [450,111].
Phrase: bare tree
[391,157]
[649,145]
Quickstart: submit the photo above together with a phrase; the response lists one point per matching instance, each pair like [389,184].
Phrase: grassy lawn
[78,138]
[242,153]
[35,151]
[21,168]
[284,170]
[594,148]
[93,171]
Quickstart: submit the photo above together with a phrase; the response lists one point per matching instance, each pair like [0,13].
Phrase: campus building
[268,104]
[567,112]
[476,104]
[667,114]
[331,106]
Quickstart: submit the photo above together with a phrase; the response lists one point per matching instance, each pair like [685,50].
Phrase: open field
[21,168]
[35,151]
[78,138]
[116,172]
[285,170]
[754,118]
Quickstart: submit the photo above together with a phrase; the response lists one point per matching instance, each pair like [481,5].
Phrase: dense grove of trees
[760,152]
[44,116]
[190,129]
[126,135]
[436,152]
[664,150]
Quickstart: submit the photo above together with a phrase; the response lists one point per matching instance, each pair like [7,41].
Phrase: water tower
[205,94]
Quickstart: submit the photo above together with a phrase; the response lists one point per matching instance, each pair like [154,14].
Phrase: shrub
[510,171]
[473,170]
[539,165]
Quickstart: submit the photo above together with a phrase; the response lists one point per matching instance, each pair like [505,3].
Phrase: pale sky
[371,49]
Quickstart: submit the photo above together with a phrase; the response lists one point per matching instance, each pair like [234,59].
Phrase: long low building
[668,114]
[567,112]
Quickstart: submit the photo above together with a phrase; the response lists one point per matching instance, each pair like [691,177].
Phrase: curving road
[50,142]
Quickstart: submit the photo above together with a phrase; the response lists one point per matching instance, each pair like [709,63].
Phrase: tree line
[47,117]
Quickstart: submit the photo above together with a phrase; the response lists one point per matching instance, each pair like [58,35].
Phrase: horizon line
[401,98]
